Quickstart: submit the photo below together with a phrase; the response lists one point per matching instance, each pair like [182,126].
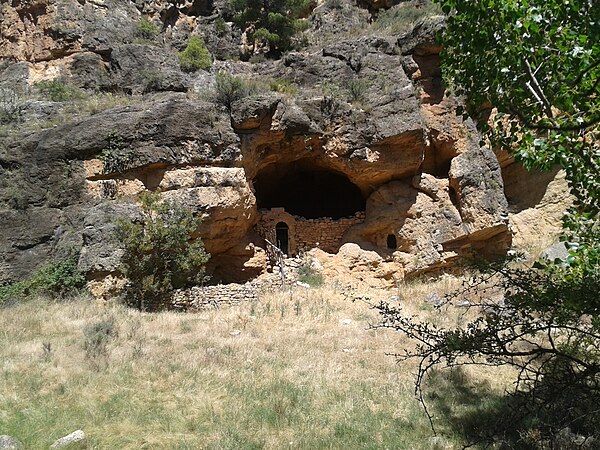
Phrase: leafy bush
[146,30]
[60,278]
[159,253]
[221,26]
[153,80]
[283,86]
[115,156]
[195,56]
[275,24]
[58,90]
[357,90]
[229,88]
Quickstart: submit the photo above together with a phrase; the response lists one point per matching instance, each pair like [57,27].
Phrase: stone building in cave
[302,207]
[296,234]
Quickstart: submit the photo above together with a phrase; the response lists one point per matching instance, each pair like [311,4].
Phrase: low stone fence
[211,297]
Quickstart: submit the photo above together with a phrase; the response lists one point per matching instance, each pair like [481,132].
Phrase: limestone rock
[477,189]
[352,265]
[225,202]
[555,252]
[9,443]
[89,71]
[253,112]
[44,30]
[27,240]
[143,68]
[537,202]
[420,223]
[244,262]
[76,439]
[100,253]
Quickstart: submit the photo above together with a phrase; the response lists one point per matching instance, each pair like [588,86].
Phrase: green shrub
[153,80]
[357,90]
[159,253]
[257,58]
[221,26]
[146,30]
[308,274]
[195,56]
[283,86]
[115,156]
[58,90]
[276,24]
[61,278]
[97,336]
[229,88]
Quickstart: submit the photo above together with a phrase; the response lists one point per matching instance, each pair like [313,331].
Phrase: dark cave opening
[307,190]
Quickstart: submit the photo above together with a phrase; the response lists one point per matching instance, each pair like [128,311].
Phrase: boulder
[76,439]
[101,254]
[477,189]
[9,443]
[139,68]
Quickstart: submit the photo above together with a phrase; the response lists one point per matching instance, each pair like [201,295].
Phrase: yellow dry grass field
[299,369]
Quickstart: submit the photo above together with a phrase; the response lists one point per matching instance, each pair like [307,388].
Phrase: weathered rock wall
[396,137]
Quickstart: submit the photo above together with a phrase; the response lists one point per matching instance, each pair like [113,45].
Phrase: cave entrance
[305,189]
[282,237]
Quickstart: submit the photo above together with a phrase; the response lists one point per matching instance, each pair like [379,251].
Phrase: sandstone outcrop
[357,127]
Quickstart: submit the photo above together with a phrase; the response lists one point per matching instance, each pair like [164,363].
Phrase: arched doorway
[282,237]
[392,242]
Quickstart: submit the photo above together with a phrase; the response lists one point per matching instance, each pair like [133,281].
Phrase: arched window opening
[282,237]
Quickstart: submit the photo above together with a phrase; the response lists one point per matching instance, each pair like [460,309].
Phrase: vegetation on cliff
[272,23]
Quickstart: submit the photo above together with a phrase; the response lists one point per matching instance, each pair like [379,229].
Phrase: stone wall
[200,298]
[305,234]
[211,297]
[324,233]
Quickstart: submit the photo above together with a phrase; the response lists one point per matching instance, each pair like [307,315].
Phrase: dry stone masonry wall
[305,234]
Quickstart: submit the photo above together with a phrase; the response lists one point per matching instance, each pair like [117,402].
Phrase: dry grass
[288,371]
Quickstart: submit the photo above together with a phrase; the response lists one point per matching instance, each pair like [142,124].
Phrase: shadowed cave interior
[307,190]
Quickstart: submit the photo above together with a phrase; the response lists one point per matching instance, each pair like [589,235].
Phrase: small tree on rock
[195,56]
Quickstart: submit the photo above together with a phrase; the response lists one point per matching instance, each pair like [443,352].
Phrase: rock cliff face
[351,123]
